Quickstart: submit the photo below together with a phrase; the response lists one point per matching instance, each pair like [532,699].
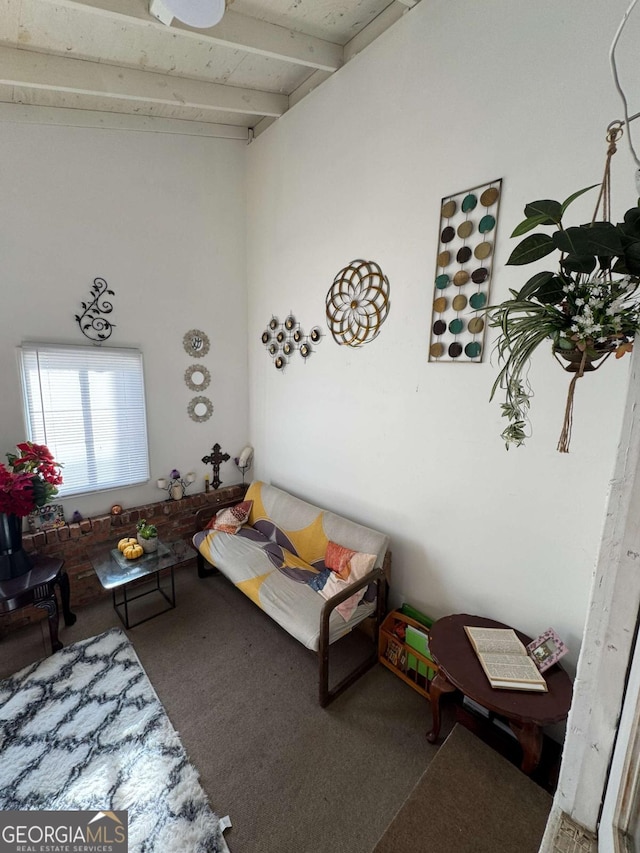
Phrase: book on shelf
[504,659]
[418,640]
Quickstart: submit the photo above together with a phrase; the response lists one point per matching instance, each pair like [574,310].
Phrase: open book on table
[505,660]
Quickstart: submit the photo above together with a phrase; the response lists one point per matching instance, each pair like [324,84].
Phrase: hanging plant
[588,308]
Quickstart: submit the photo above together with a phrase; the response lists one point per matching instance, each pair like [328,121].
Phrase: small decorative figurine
[176,486]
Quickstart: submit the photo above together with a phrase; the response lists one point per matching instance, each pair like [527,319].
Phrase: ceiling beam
[312,82]
[372,31]
[64,74]
[235,31]
[27,114]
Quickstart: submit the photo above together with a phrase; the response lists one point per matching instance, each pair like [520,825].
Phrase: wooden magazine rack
[401,658]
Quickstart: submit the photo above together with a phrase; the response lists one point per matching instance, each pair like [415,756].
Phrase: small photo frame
[547,649]
[47,517]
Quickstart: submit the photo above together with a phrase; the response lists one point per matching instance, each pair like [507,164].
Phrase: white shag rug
[84,729]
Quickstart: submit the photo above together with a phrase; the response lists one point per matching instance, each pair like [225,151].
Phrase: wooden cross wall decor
[216,458]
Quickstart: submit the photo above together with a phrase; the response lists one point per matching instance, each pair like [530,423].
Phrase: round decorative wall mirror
[196,343]
[200,409]
[197,377]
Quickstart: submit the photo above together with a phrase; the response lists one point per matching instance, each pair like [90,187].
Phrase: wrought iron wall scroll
[92,321]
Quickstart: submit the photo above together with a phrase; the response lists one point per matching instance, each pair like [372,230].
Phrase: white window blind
[87,405]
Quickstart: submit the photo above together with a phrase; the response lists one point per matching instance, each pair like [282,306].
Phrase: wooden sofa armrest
[348,591]
[215,500]
[378,576]
[201,519]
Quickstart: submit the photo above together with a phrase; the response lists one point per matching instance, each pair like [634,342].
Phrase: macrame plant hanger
[614,132]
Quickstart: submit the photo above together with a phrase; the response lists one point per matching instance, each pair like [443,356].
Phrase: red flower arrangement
[29,480]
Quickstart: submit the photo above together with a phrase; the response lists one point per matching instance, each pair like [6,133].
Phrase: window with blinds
[87,405]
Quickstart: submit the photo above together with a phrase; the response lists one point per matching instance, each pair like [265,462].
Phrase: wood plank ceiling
[113,58]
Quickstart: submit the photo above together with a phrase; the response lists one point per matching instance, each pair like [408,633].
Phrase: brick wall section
[71,543]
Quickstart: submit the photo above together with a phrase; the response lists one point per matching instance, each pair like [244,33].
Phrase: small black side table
[37,587]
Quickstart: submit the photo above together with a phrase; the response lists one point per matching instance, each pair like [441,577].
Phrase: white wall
[453,96]
[162,218]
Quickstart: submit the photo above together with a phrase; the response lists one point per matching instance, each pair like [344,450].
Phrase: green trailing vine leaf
[579,263]
[601,239]
[528,224]
[534,284]
[552,291]
[548,209]
[574,196]
[532,248]
[630,263]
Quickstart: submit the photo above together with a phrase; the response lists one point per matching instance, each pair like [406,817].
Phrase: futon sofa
[280,559]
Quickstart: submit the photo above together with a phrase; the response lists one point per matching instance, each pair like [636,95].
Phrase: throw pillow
[347,566]
[337,559]
[231,519]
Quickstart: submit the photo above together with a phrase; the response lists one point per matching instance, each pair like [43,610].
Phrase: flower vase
[177,492]
[14,560]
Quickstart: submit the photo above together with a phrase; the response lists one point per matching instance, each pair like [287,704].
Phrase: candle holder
[175,485]
[244,460]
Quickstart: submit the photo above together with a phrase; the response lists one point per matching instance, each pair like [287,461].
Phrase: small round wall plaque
[200,409]
[197,377]
[196,343]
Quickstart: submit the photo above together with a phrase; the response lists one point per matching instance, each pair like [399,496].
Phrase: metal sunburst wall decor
[283,340]
[92,321]
[357,303]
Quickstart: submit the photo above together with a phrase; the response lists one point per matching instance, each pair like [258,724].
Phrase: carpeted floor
[242,694]
[469,800]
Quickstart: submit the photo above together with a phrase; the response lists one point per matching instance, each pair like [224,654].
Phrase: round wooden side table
[460,669]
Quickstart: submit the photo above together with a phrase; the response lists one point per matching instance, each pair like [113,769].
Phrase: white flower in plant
[579,301]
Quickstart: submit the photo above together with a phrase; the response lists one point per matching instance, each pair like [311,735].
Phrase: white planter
[148,545]
[177,492]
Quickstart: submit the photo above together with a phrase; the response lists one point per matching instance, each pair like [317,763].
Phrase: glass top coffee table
[130,580]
